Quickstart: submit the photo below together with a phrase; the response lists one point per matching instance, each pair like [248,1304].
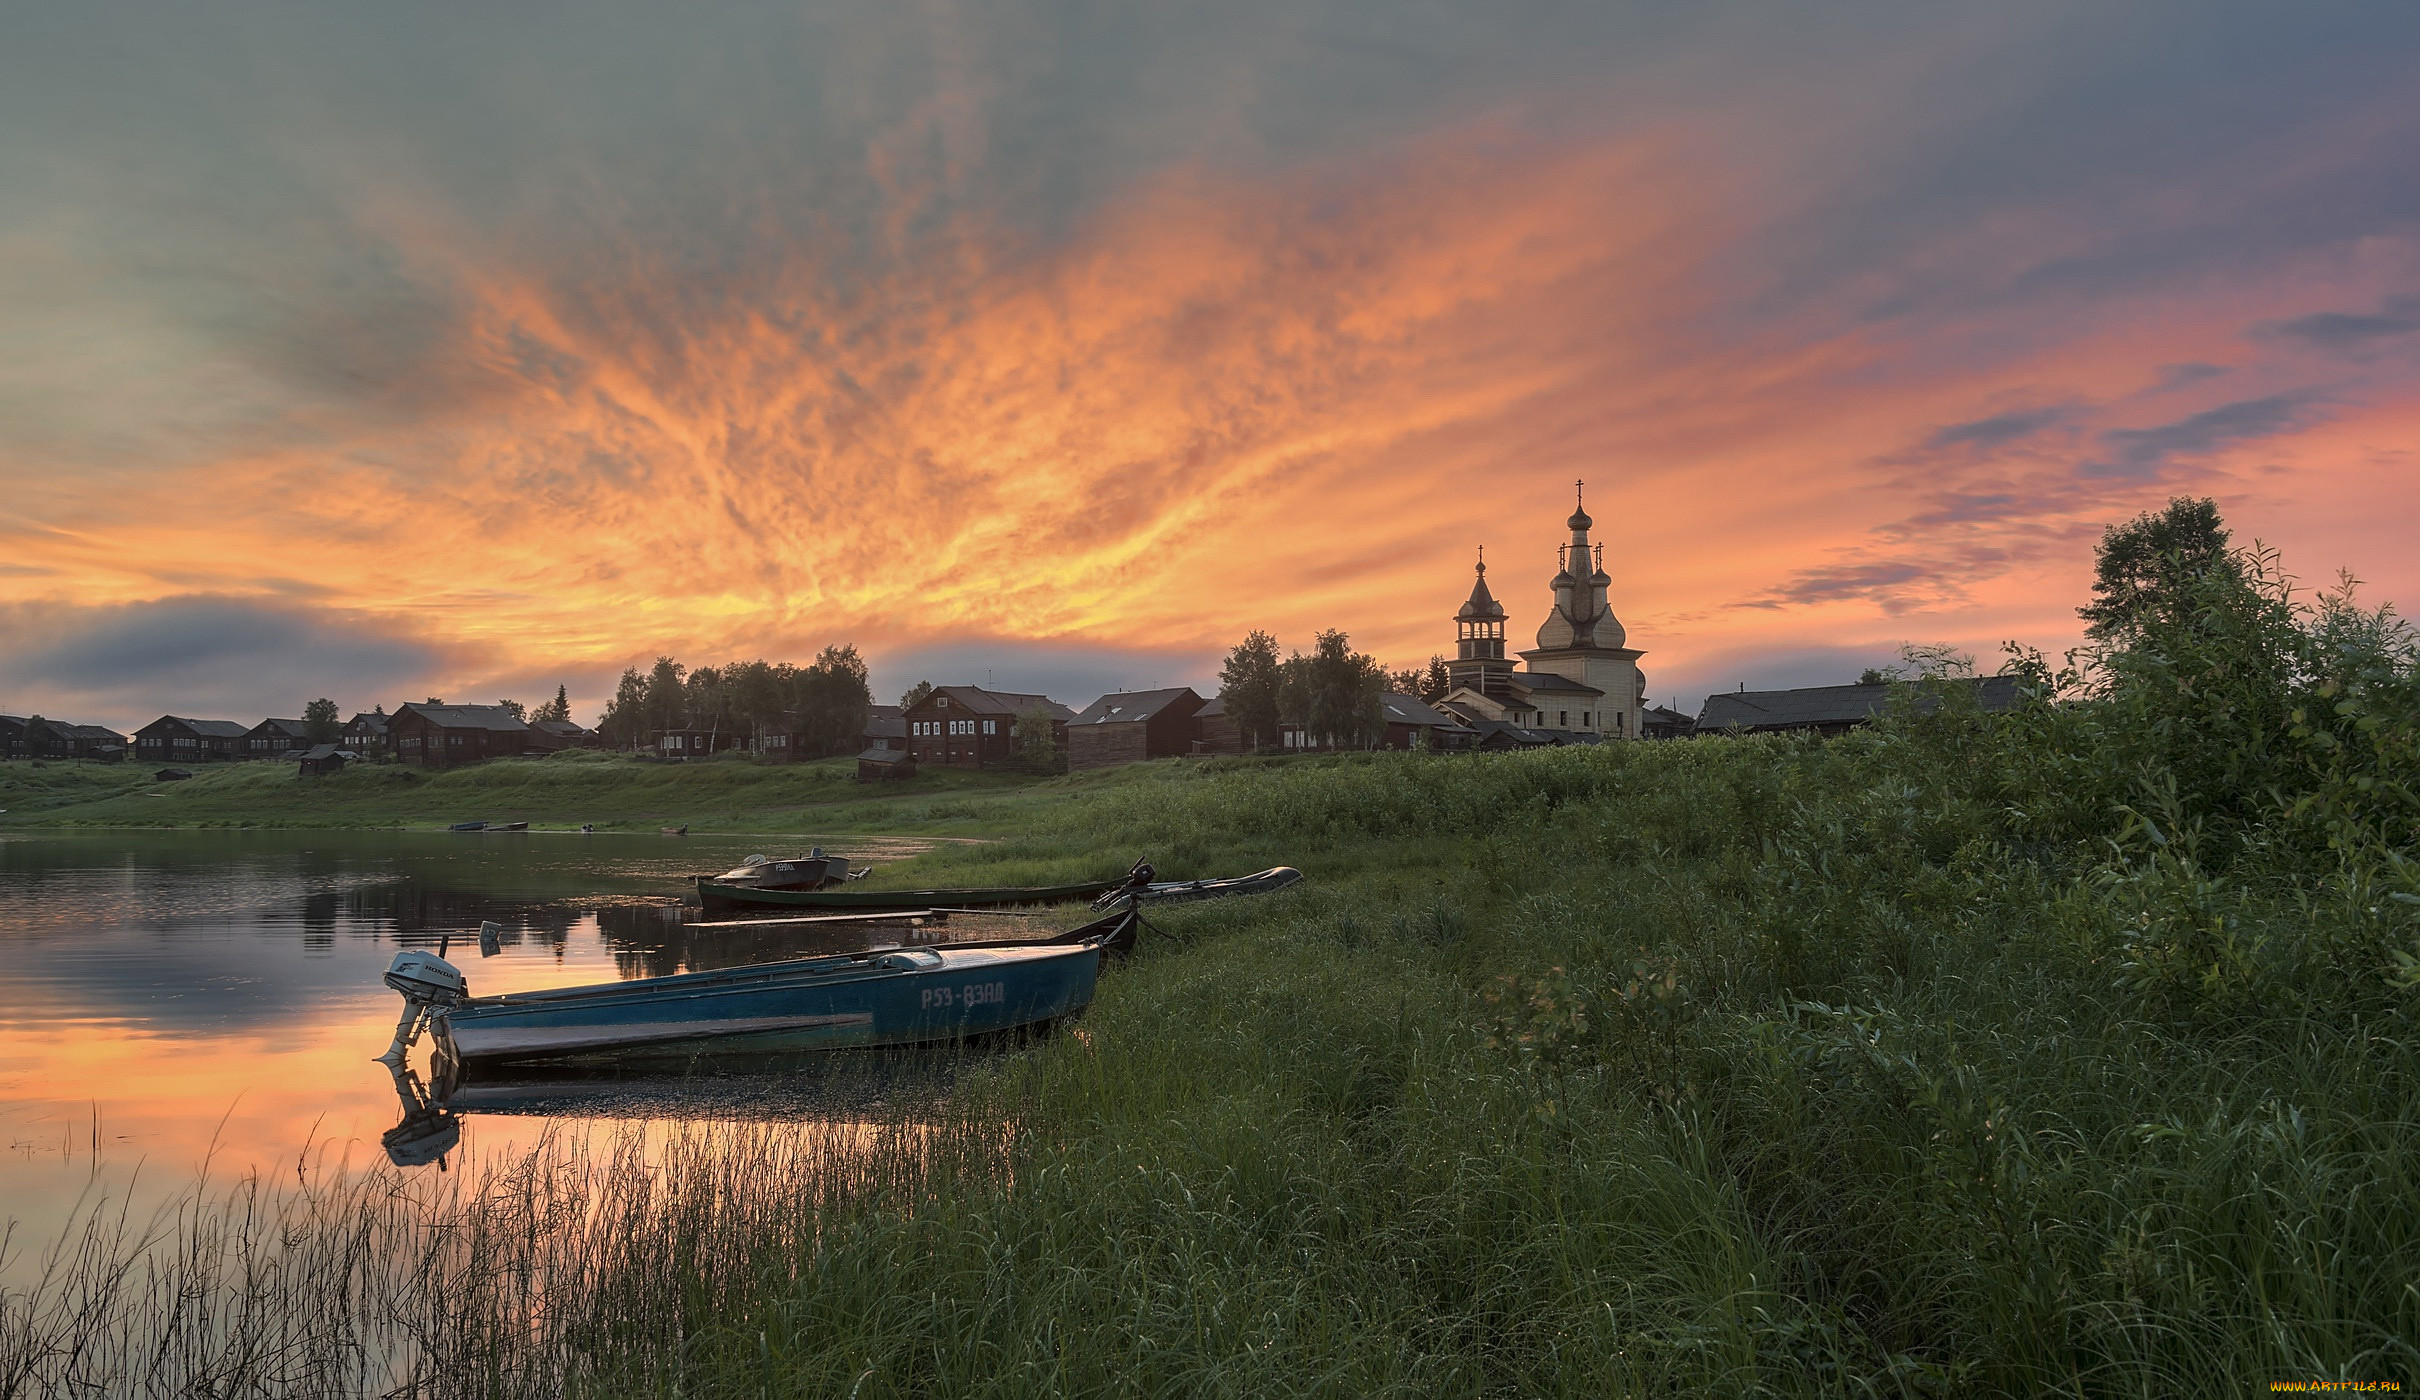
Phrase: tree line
[1332,694]
[823,704]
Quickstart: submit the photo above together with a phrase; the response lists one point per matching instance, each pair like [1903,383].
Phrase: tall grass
[2062,1052]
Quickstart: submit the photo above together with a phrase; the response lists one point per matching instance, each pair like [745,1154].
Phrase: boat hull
[897,997]
[722,897]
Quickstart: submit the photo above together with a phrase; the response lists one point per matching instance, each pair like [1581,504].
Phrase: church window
[1562,719]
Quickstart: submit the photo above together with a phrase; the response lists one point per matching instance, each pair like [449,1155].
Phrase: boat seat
[909,960]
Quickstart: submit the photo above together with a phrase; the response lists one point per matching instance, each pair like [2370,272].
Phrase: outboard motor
[1137,880]
[427,981]
[429,1130]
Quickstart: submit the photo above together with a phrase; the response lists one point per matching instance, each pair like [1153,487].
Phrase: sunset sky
[462,350]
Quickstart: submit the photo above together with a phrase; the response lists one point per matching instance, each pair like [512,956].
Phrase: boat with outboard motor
[896,996]
[812,871]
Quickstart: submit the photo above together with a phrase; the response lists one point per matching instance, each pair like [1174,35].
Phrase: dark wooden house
[175,739]
[1837,709]
[566,734]
[321,759]
[880,765]
[1664,722]
[277,738]
[37,737]
[885,728]
[1214,730]
[1413,723]
[698,743]
[448,736]
[1128,726]
[366,734]
[12,737]
[966,726]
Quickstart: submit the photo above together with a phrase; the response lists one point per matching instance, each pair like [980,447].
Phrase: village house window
[988,726]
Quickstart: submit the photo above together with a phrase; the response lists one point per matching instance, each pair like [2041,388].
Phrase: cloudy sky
[462,350]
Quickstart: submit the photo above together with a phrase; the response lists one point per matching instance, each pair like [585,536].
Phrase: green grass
[1952,1058]
[565,790]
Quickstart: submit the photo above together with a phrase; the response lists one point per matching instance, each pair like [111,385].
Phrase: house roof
[494,717]
[319,752]
[1548,682]
[569,729]
[1664,714]
[882,755]
[976,699]
[1411,709]
[376,724]
[93,731]
[1815,706]
[207,728]
[1488,729]
[1131,706]
[290,728]
[1213,708]
[885,722]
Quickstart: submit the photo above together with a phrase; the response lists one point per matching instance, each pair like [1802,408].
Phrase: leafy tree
[516,709]
[1034,741]
[1248,686]
[1404,682]
[759,700]
[833,700]
[624,723]
[667,703]
[915,694]
[320,721]
[2148,569]
[1333,694]
[558,708]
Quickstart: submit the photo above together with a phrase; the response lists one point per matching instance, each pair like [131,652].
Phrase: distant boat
[508,826]
[880,997]
[811,871]
[468,826]
[675,831]
[1186,891]
[721,897]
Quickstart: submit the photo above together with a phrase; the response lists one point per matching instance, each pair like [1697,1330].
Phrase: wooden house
[698,743]
[175,739]
[1837,709]
[366,734]
[1214,730]
[448,736]
[37,737]
[1413,723]
[276,738]
[565,734]
[1664,722]
[12,737]
[321,759]
[1128,726]
[966,726]
[885,728]
[881,765]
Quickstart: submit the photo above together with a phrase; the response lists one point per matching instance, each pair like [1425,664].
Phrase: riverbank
[564,791]
[1901,1064]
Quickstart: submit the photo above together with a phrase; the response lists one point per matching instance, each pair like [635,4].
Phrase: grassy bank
[2069,1051]
[612,792]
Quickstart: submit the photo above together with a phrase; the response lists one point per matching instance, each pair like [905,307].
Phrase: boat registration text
[973,994]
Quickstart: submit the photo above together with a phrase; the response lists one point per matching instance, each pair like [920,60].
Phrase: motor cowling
[424,977]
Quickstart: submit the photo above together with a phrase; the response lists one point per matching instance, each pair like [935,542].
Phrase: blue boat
[879,997]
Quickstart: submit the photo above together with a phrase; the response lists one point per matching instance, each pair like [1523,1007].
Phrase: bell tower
[1479,663]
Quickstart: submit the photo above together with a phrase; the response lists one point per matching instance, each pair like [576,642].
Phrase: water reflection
[175,999]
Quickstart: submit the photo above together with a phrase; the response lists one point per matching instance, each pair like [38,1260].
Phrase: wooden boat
[675,830]
[721,897]
[812,871]
[508,826]
[468,826]
[1186,891]
[879,997]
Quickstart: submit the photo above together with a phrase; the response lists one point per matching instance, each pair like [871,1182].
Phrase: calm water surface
[175,1001]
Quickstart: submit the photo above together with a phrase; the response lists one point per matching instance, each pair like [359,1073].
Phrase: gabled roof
[494,717]
[207,728]
[1411,709]
[569,729]
[976,700]
[1131,706]
[93,731]
[376,724]
[1816,706]
[884,722]
[880,755]
[1488,729]
[319,752]
[1545,682]
[288,728]
[1213,708]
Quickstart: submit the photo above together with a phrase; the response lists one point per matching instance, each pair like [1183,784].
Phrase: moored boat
[1185,891]
[468,826]
[878,997]
[722,897]
[812,871]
